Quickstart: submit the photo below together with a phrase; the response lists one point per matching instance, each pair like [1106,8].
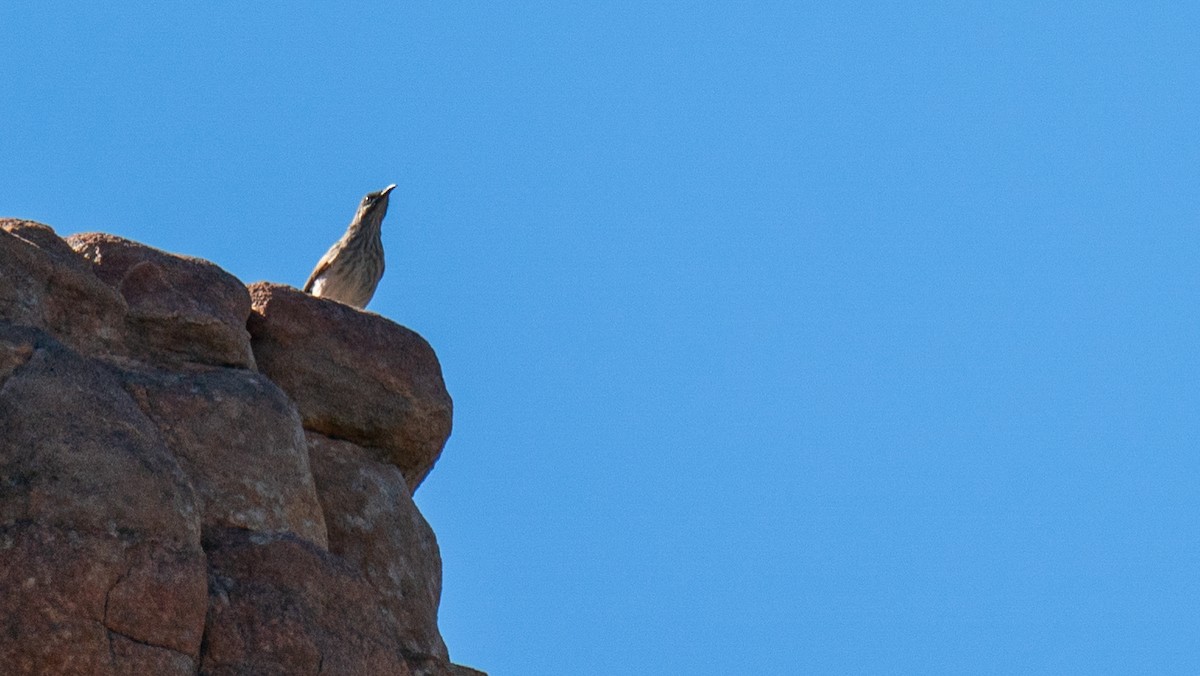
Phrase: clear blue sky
[784,338]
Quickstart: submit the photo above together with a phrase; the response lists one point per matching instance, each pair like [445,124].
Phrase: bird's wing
[322,266]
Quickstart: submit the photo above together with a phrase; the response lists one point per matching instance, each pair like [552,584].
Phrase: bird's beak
[386,190]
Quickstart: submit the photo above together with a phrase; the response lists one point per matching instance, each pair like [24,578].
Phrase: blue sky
[784,338]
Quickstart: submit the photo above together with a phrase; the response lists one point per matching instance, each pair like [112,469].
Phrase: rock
[354,376]
[53,586]
[280,605]
[131,658]
[99,531]
[238,438]
[76,452]
[375,527]
[43,237]
[427,665]
[163,509]
[181,309]
[160,598]
[14,354]
[72,598]
[48,286]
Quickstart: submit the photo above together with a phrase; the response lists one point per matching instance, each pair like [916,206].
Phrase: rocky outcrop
[279,604]
[374,525]
[99,528]
[240,443]
[181,309]
[44,284]
[192,483]
[386,394]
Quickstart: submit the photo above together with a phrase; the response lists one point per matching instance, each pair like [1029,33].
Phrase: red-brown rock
[375,527]
[100,528]
[162,509]
[159,598]
[76,452]
[65,611]
[280,605]
[44,284]
[133,658]
[181,309]
[238,438]
[53,587]
[354,375]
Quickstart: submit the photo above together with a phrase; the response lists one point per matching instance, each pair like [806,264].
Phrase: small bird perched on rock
[351,269]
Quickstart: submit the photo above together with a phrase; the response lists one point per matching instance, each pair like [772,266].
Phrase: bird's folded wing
[322,266]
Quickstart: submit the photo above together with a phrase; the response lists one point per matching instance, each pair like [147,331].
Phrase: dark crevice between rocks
[113,632]
[112,652]
[420,661]
[148,644]
[203,652]
[374,453]
[218,592]
[222,536]
[111,587]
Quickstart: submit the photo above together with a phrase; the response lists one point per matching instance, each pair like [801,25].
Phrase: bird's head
[374,205]
[377,199]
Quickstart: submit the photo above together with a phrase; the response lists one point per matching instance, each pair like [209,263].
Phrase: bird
[353,266]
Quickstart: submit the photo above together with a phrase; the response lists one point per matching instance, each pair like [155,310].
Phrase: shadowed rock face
[374,525]
[99,529]
[165,508]
[87,603]
[77,452]
[281,605]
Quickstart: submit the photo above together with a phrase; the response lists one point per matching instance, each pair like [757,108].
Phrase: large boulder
[375,527]
[181,309]
[354,376]
[47,285]
[238,438]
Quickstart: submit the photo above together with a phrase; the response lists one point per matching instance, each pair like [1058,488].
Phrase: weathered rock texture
[167,508]
[282,605]
[374,525]
[386,394]
[44,284]
[242,445]
[180,308]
